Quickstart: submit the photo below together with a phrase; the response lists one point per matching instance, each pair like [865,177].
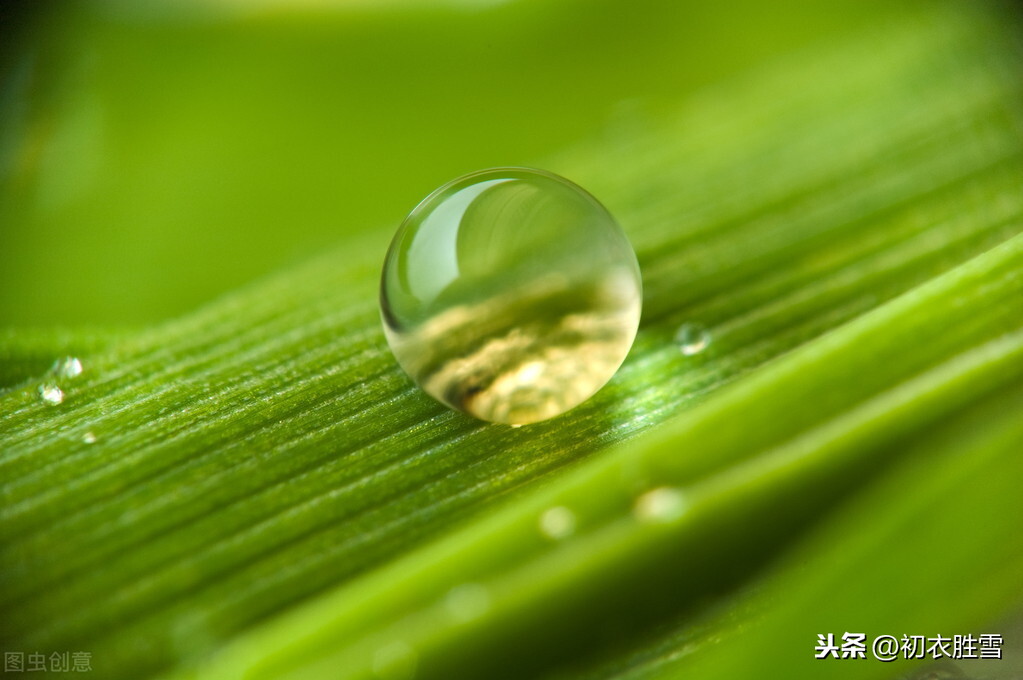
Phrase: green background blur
[154,155]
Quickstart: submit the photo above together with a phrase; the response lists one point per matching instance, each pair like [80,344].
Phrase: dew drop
[51,393]
[692,338]
[395,661]
[557,522]
[510,294]
[89,438]
[467,601]
[68,367]
[663,504]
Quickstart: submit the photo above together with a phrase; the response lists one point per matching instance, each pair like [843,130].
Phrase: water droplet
[467,601]
[557,522]
[510,294]
[395,661]
[68,367]
[51,393]
[89,438]
[692,338]
[663,504]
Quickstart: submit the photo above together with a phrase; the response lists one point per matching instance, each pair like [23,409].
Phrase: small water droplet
[663,504]
[557,522]
[68,367]
[89,438]
[395,661]
[192,633]
[467,601]
[692,338]
[51,393]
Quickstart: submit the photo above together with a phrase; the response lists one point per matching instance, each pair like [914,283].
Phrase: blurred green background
[154,155]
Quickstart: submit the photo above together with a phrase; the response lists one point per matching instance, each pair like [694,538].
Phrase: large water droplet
[510,294]
[51,393]
[692,338]
[663,504]
[557,522]
[68,367]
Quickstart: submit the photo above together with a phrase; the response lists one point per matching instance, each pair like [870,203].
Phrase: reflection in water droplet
[557,522]
[51,394]
[663,504]
[68,367]
[510,294]
[467,601]
[89,438]
[692,338]
[395,661]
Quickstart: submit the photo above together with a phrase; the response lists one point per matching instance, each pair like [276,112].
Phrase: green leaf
[267,494]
